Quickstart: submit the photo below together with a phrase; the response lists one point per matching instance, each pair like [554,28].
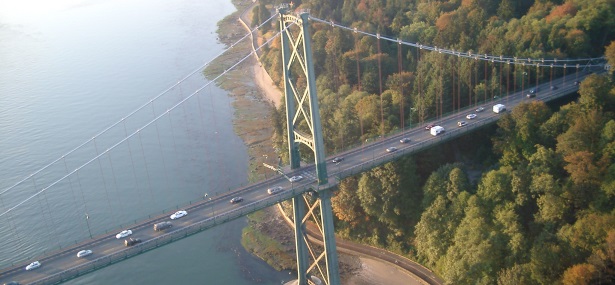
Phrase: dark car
[12,283]
[428,127]
[236,200]
[337,159]
[534,90]
[404,140]
[132,241]
[576,83]
[553,87]
[530,95]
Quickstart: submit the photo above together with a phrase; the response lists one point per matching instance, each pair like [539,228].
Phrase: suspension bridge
[36,191]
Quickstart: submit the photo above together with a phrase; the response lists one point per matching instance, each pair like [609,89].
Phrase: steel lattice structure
[302,110]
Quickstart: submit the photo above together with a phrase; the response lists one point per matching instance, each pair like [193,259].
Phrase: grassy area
[264,236]
[262,245]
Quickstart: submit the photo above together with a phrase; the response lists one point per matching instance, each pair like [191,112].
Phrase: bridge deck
[63,265]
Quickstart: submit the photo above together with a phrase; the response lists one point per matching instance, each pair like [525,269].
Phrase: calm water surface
[71,68]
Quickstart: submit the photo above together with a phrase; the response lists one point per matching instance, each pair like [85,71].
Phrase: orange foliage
[362,7]
[560,11]
[580,274]
[444,20]
[582,168]
[466,3]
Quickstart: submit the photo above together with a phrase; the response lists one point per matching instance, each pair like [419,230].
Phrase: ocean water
[76,80]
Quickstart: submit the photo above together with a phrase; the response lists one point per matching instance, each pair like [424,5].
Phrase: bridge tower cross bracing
[302,108]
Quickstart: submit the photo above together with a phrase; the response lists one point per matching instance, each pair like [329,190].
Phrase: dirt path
[260,75]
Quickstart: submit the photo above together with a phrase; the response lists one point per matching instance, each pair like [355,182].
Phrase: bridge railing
[501,97]
[172,236]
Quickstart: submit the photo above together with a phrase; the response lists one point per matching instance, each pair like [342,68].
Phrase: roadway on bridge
[106,245]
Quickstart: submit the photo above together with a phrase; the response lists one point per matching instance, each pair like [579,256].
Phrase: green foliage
[543,213]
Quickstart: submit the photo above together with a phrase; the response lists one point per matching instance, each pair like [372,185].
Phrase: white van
[499,108]
[436,130]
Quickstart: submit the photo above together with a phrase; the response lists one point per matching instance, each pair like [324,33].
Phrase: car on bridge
[480,109]
[553,87]
[428,127]
[84,253]
[471,116]
[275,190]
[12,283]
[236,200]
[404,140]
[392,149]
[530,95]
[178,214]
[123,234]
[132,241]
[534,90]
[462,123]
[295,178]
[33,265]
[337,159]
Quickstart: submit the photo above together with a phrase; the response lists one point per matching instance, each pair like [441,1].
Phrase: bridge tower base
[301,104]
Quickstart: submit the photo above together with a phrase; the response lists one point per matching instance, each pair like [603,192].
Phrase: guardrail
[171,236]
[258,205]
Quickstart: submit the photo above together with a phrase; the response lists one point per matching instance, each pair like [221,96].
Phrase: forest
[530,200]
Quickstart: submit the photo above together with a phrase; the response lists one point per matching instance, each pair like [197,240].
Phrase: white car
[33,265]
[123,234]
[480,109]
[391,149]
[84,252]
[471,116]
[295,178]
[178,215]
[275,190]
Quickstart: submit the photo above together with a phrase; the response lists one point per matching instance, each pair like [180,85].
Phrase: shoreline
[254,95]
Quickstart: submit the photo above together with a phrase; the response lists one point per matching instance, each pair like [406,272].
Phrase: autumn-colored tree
[580,274]
[346,204]
[609,53]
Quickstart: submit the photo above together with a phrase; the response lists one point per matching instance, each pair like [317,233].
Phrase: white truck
[499,108]
[436,130]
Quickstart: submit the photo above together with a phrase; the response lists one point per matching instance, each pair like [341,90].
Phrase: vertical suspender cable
[356,48]
[401,88]
[485,92]
[117,189]
[458,83]
[102,174]
[507,80]
[523,73]
[418,63]
[551,75]
[515,77]
[132,163]
[500,72]
[42,207]
[149,182]
[164,165]
[475,80]
[380,82]
[85,204]
[453,83]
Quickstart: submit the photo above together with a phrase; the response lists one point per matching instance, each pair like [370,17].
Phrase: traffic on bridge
[113,247]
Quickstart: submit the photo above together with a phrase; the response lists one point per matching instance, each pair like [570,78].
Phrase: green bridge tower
[302,110]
